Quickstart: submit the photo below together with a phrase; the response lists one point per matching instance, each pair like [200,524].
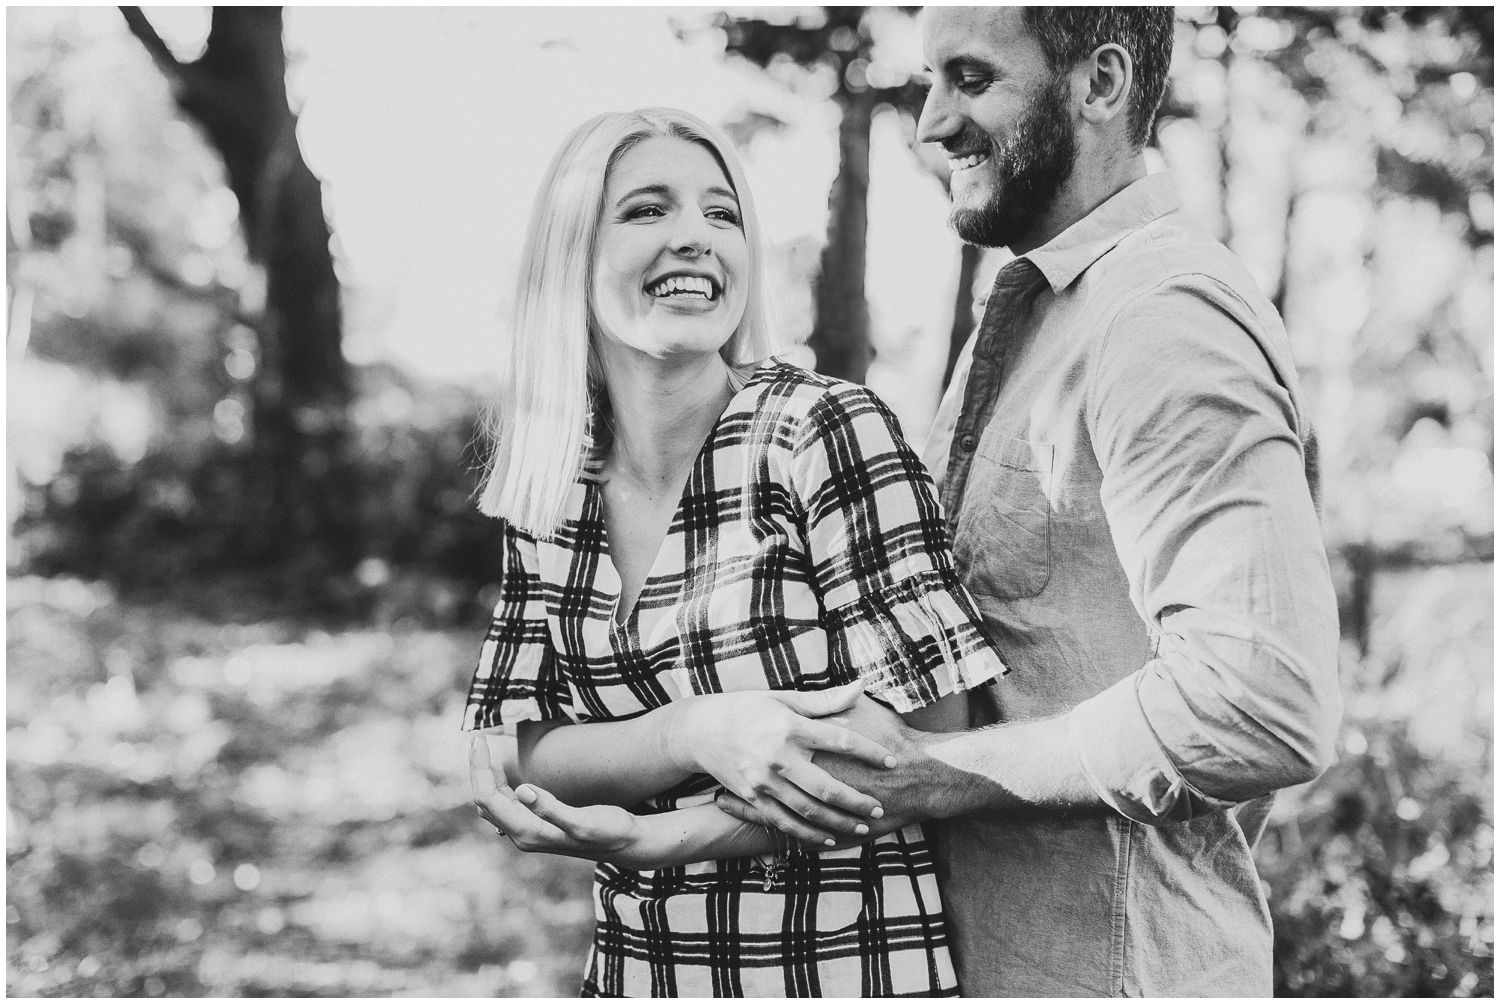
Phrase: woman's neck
[660,414]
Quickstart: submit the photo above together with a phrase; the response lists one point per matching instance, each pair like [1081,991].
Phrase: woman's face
[670,262]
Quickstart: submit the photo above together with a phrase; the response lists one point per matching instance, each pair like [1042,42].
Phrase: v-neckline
[617,620]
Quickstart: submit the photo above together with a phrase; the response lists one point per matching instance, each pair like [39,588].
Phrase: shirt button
[967,443]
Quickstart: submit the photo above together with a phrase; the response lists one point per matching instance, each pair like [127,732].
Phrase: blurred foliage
[173,522]
[234,777]
[133,372]
[1381,873]
[202,809]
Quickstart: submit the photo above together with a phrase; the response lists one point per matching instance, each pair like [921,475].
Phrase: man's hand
[760,746]
[534,820]
[897,789]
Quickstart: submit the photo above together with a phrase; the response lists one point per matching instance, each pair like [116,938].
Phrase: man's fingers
[816,704]
[836,738]
[835,805]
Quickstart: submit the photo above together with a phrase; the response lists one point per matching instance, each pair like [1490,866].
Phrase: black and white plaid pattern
[808,549]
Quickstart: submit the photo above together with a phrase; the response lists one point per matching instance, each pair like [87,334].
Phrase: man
[1122,462]
[1121,456]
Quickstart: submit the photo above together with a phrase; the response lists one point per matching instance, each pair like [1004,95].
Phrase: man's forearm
[1019,767]
[1016,768]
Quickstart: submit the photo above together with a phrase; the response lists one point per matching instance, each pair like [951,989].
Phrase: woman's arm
[758,744]
[947,714]
[536,821]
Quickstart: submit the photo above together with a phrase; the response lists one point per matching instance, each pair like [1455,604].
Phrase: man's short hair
[1069,34]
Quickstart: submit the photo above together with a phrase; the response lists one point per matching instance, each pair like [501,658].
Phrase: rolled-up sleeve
[1214,523]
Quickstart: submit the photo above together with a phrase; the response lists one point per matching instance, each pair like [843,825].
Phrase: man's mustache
[971,141]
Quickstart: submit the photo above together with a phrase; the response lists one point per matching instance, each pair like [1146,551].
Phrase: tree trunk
[841,325]
[236,91]
[1227,19]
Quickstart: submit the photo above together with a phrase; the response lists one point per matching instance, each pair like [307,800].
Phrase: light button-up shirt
[1122,455]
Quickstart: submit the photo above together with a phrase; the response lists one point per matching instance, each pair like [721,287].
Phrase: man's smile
[967,161]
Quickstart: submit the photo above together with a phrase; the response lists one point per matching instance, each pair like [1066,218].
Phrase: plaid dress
[807,549]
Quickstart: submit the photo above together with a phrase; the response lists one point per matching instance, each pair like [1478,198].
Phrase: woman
[691,539]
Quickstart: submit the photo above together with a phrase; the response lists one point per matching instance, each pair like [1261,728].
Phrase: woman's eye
[645,212]
[724,214]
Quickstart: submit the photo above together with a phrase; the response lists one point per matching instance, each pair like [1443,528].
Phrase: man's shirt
[1122,459]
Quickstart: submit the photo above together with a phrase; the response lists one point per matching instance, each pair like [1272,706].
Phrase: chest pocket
[1003,542]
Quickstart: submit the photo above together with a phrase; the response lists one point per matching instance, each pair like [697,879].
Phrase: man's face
[1003,117]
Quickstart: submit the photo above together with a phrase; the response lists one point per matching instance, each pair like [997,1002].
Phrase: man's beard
[1028,171]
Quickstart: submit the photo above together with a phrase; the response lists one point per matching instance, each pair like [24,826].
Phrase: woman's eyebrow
[643,190]
[660,190]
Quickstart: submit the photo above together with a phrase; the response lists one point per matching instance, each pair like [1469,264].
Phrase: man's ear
[1111,76]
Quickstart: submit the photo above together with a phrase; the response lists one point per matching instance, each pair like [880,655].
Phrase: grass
[200,808]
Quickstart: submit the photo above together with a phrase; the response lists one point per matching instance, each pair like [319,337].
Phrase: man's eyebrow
[964,61]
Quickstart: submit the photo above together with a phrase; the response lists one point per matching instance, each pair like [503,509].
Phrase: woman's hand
[536,821]
[759,745]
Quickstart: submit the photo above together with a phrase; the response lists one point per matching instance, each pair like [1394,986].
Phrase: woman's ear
[1111,76]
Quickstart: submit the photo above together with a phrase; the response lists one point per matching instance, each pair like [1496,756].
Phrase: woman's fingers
[764,812]
[740,809]
[500,807]
[827,801]
[572,821]
[818,703]
[481,774]
[774,813]
[815,735]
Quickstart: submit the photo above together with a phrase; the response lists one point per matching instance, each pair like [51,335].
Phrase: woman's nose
[692,237]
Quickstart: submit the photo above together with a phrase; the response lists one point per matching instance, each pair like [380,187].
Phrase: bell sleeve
[893,608]
[518,678]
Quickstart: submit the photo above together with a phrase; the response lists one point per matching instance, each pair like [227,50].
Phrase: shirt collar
[1068,255]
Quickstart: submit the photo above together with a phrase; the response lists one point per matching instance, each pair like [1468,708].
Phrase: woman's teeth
[964,163]
[682,285]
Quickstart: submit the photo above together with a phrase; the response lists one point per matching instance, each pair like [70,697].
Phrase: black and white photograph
[769,502]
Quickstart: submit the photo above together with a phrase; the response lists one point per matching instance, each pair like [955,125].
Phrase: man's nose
[938,120]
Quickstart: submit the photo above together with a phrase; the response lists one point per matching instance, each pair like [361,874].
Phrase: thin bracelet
[771,872]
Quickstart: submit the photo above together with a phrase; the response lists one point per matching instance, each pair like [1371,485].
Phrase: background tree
[236,91]
[837,43]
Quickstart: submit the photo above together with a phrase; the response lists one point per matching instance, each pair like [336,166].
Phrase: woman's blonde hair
[539,424]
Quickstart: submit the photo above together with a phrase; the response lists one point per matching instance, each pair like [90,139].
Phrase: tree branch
[162,56]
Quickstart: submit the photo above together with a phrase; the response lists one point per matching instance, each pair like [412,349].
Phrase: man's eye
[973,85]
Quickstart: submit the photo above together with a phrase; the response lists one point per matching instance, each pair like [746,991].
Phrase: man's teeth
[963,163]
[682,285]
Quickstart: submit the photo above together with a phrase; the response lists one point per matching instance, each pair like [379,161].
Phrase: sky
[431,129]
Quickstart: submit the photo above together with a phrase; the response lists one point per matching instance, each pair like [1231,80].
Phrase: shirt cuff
[1125,763]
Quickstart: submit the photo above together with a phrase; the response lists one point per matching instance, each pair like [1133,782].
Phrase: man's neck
[1083,193]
